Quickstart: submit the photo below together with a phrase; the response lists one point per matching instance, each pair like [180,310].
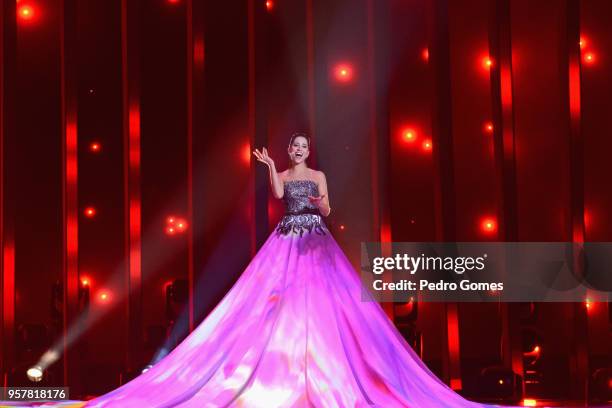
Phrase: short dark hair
[299,134]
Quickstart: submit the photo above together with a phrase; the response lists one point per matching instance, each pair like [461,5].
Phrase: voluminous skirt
[292,332]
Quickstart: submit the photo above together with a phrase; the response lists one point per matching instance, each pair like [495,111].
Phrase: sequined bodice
[296,195]
[300,214]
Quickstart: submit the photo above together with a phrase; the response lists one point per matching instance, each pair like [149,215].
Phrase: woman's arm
[323,204]
[276,181]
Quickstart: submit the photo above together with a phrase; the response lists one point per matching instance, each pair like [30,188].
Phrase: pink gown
[292,332]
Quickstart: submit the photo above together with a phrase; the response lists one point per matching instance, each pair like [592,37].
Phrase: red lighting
[409,135]
[587,219]
[85,281]
[25,12]
[166,285]
[589,58]
[173,1]
[245,154]
[425,54]
[487,62]
[588,304]
[181,226]
[529,402]
[269,5]
[104,296]
[583,42]
[343,73]
[488,225]
[342,227]
[488,127]
[95,147]
[90,212]
[427,145]
[198,51]
[175,225]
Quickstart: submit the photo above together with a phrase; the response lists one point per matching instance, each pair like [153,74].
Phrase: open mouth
[299,154]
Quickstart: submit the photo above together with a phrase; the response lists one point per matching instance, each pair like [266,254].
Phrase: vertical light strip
[374,148]
[577,223]
[131,139]
[3,294]
[191,60]
[310,68]
[378,232]
[579,363]
[574,89]
[70,172]
[8,27]
[251,121]
[134,192]
[452,322]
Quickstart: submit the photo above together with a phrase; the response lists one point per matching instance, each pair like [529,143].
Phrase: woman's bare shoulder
[317,175]
[283,175]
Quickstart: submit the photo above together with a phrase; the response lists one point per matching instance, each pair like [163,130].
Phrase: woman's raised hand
[263,157]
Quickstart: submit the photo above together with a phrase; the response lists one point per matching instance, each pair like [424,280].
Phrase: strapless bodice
[300,214]
[296,194]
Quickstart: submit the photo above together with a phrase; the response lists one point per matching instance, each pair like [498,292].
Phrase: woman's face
[298,149]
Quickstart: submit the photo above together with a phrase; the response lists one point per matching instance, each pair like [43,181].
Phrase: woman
[293,331]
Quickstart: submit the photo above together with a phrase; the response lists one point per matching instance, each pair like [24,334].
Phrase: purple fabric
[292,332]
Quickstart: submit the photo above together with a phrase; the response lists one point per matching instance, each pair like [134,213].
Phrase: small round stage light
[25,12]
[488,225]
[409,135]
[530,402]
[342,227]
[104,296]
[175,225]
[488,127]
[173,1]
[487,62]
[589,58]
[90,212]
[427,145]
[95,147]
[269,5]
[582,42]
[343,73]
[181,226]
[35,374]
[85,281]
